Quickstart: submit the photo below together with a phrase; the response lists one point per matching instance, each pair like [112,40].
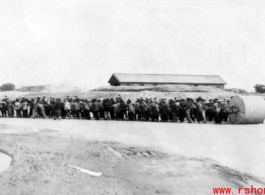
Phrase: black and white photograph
[132,97]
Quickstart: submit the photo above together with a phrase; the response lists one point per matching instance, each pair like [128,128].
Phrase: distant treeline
[7,87]
[259,88]
[235,90]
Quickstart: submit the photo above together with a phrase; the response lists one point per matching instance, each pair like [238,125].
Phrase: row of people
[151,109]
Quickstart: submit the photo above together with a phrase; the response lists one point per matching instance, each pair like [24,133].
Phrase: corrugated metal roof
[168,78]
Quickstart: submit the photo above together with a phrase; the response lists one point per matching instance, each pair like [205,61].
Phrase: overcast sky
[85,41]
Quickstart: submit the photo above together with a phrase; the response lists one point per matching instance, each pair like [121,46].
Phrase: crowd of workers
[143,109]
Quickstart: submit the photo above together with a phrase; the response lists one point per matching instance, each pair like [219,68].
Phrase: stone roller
[247,110]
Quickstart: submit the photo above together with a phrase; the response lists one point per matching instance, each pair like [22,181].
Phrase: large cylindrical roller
[247,109]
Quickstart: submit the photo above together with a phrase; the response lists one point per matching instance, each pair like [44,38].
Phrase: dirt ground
[40,168]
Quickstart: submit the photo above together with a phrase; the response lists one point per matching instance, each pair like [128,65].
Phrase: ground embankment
[125,95]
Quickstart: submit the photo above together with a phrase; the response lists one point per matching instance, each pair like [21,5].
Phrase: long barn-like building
[124,79]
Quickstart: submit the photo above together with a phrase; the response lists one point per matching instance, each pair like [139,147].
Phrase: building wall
[221,86]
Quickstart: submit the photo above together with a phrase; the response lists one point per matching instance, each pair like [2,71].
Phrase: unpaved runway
[240,147]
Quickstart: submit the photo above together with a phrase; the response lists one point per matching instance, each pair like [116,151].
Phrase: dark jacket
[106,105]
[174,108]
[96,106]
[130,107]
[155,108]
[137,107]
[75,106]
[58,105]
[123,107]
[85,106]
[143,107]
[164,108]
[117,107]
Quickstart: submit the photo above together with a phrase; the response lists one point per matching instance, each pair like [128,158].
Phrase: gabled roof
[167,78]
